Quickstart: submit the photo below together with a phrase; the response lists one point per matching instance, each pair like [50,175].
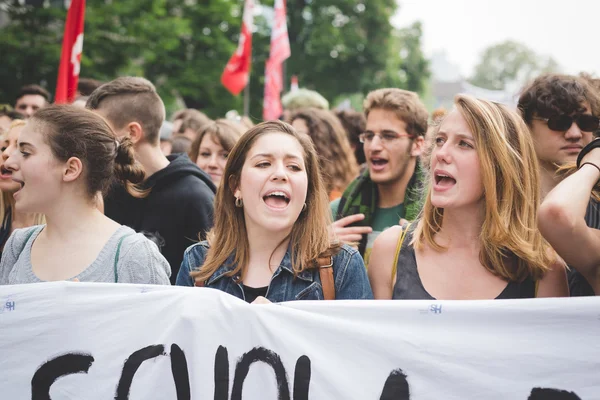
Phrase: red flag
[280,51]
[237,71]
[70,58]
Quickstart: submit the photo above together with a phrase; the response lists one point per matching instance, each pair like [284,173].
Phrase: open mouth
[378,163]
[442,179]
[277,199]
[5,173]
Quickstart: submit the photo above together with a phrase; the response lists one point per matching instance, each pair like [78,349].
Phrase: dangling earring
[239,202]
[304,207]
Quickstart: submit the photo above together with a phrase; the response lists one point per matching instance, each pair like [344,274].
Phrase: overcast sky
[569,31]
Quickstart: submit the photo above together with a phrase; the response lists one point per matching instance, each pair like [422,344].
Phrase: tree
[339,47]
[510,62]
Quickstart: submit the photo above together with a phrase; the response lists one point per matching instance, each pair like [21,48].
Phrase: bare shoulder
[388,239]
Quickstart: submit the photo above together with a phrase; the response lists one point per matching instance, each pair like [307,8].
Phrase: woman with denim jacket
[271,235]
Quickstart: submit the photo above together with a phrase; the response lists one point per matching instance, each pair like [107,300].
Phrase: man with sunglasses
[562,113]
[389,189]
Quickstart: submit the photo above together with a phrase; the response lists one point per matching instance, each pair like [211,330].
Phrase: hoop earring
[304,207]
[239,203]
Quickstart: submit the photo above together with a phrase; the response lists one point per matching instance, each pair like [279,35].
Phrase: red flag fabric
[70,59]
[280,51]
[237,71]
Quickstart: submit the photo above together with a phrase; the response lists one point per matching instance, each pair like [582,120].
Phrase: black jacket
[177,210]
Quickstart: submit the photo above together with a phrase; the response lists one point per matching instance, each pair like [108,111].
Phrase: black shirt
[178,211]
[250,293]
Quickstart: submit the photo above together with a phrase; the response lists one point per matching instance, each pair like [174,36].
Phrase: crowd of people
[480,202]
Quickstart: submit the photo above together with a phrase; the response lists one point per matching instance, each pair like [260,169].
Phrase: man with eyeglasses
[562,112]
[389,189]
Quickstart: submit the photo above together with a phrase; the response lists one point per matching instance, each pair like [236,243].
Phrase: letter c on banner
[50,371]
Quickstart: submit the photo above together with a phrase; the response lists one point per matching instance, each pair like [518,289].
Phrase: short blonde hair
[511,245]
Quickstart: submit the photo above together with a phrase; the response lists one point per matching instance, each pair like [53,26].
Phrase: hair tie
[117,145]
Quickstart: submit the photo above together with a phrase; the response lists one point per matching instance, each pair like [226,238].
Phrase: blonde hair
[511,245]
[309,238]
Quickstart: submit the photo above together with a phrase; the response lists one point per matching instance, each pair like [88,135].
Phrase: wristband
[590,163]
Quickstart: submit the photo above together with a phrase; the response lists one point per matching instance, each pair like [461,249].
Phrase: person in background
[11,218]
[336,157]
[436,118]
[85,86]
[189,122]
[562,217]
[477,237]
[271,237]
[7,116]
[211,148]
[179,207]
[181,145]
[65,156]
[561,112]
[302,98]
[354,124]
[166,136]
[30,99]
[390,189]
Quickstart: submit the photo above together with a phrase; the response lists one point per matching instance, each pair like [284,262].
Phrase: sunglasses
[562,123]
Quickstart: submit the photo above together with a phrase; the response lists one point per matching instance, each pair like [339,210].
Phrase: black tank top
[409,286]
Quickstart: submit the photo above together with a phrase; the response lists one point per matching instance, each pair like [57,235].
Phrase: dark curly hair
[354,123]
[552,94]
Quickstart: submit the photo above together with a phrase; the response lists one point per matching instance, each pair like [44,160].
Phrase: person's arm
[351,279]
[554,283]
[561,218]
[381,263]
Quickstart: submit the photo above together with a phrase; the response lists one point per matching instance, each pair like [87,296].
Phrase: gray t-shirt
[139,260]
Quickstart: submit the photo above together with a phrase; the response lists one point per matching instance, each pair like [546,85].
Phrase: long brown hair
[511,245]
[309,238]
[337,159]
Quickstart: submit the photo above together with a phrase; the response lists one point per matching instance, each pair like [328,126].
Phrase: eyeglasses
[562,123]
[386,137]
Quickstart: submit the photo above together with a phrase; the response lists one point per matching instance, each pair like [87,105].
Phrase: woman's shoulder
[198,249]
[19,238]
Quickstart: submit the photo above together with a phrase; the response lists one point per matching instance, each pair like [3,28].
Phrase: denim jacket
[350,277]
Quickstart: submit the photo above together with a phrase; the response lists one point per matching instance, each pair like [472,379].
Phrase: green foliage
[339,48]
[510,62]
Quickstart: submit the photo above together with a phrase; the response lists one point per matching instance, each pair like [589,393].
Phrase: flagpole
[247,99]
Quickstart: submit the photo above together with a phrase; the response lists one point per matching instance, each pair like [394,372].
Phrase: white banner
[114,341]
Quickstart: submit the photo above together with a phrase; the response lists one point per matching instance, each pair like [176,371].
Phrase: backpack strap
[117,256]
[326,276]
[398,249]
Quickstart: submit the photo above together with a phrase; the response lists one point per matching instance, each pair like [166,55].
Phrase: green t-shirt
[383,218]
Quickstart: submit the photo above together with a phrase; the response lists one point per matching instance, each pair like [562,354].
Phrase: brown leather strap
[326,275]
[199,284]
